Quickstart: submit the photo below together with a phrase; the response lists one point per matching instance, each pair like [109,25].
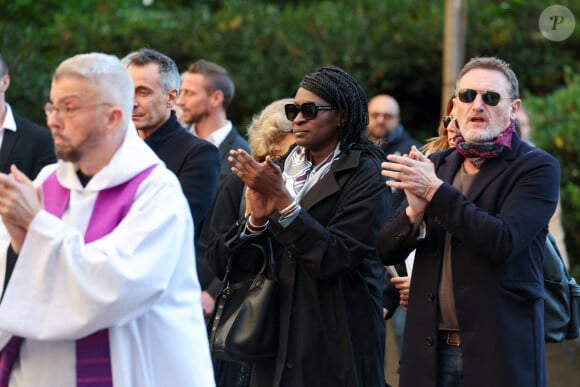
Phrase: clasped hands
[266,192]
[20,201]
[415,174]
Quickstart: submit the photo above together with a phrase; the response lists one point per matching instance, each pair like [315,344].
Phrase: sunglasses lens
[309,110]
[446,121]
[291,111]
[490,98]
[467,95]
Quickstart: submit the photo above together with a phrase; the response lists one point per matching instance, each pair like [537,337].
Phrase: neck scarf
[477,153]
[300,174]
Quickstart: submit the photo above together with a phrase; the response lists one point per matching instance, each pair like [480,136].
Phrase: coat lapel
[321,191]
[448,168]
[491,169]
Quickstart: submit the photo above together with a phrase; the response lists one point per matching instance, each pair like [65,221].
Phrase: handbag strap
[267,253]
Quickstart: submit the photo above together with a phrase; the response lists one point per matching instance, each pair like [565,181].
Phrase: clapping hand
[20,201]
[415,174]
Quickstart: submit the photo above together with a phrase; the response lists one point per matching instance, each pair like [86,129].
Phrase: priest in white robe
[137,284]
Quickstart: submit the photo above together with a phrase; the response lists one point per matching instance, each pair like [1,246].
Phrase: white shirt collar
[9,122]
[217,136]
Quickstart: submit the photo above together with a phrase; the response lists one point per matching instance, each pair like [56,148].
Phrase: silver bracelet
[286,212]
[252,228]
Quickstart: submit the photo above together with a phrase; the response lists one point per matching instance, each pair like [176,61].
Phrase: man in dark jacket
[478,216]
[22,142]
[206,92]
[193,160]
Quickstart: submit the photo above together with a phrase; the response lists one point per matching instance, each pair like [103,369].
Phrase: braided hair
[340,89]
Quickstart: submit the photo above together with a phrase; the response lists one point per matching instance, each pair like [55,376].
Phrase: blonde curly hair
[268,128]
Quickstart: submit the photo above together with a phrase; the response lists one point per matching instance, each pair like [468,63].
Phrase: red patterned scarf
[477,153]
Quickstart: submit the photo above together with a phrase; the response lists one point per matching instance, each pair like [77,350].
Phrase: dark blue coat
[498,235]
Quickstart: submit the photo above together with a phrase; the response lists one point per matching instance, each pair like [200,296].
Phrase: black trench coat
[331,328]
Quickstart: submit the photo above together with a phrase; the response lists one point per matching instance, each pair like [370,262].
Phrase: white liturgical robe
[139,282]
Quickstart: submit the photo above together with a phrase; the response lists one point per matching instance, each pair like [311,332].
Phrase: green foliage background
[388,45]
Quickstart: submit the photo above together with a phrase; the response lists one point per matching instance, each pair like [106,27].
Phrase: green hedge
[388,45]
[556,120]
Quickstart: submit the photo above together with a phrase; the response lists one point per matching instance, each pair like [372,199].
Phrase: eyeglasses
[68,111]
[309,110]
[490,98]
[386,116]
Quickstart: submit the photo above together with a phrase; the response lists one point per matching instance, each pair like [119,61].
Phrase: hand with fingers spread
[413,173]
[20,201]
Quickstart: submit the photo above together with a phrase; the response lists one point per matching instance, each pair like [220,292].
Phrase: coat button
[290,364]
[429,341]
[430,297]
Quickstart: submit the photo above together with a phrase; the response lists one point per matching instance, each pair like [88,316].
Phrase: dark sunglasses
[446,120]
[490,98]
[309,110]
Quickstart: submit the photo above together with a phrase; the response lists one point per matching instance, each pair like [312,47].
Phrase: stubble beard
[196,118]
[478,137]
[67,154]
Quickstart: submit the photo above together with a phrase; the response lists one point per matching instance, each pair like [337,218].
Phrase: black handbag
[562,297]
[244,325]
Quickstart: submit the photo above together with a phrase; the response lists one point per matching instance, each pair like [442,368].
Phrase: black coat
[232,141]
[331,328]
[196,163]
[207,278]
[30,148]
[498,235]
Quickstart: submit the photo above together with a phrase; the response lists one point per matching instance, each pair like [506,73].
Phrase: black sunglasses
[490,98]
[309,110]
[446,120]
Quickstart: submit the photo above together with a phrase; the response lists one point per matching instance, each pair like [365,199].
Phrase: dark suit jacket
[232,141]
[194,161]
[30,148]
[331,325]
[498,235]
[207,277]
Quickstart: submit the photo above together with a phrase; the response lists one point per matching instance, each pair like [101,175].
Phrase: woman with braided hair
[321,205]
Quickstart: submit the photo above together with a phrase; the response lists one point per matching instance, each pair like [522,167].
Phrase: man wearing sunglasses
[385,128]
[478,215]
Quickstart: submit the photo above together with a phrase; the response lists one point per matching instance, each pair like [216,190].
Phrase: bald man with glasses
[385,128]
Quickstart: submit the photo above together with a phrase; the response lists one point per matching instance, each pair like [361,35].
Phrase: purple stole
[93,356]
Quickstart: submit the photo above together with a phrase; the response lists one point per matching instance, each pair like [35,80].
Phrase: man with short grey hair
[195,162]
[103,290]
[477,215]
